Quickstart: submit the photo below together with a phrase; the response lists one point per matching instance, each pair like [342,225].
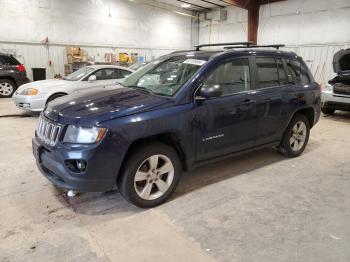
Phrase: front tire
[7,88]
[327,111]
[296,136]
[150,175]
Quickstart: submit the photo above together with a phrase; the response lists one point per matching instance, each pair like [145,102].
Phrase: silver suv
[336,94]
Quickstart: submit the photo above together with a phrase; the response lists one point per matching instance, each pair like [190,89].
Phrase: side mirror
[92,78]
[209,91]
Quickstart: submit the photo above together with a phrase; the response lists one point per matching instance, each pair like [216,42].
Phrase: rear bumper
[336,102]
[29,103]
[99,176]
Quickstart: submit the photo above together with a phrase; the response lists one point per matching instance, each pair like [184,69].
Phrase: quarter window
[233,77]
[297,72]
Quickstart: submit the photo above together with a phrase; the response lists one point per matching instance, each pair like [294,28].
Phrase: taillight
[20,68]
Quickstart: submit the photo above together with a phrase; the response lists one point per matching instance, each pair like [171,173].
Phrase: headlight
[328,88]
[29,92]
[84,135]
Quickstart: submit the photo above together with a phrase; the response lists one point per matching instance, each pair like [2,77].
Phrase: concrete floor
[257,207]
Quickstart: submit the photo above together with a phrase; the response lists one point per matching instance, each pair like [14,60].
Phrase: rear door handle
[247,101]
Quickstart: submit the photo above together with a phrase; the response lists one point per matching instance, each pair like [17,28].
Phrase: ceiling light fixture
[185,5]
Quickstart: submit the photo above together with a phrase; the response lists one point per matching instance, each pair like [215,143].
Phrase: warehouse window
[267,72]
[233,77]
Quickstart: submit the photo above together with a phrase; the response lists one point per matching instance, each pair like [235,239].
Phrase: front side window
[164,77]
[232,77]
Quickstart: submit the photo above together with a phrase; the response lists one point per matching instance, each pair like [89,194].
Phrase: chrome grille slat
[48,132]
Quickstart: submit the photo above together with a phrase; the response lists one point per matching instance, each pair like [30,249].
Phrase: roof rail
[240,44]
[277,46]
[181,51]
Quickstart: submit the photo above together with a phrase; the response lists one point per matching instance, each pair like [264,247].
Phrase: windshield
[137,66]
[164,77]
[79,74]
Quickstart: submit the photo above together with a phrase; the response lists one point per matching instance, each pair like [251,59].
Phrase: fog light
[81,164]
[76,165]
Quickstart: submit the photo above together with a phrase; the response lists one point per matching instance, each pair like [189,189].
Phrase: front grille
[48,132]
[341,89]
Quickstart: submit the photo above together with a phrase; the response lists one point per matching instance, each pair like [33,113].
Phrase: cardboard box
[69,59]
[73,50]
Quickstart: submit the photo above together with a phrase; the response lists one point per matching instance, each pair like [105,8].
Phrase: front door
[226,124]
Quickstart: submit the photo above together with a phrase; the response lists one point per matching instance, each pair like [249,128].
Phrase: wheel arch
[170,138]
[10,78]
[308,112]
[55,94]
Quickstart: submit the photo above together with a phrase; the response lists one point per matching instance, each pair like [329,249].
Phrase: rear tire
[296,136]
[327,111]
[150,175]
[7,88]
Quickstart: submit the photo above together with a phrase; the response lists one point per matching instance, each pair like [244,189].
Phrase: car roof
[239,51]
[108,66]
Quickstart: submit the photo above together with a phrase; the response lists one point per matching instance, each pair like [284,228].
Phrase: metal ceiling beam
[212,3]
[199,6]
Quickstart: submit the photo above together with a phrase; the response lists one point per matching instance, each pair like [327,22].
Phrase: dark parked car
[183,110]
[12,75]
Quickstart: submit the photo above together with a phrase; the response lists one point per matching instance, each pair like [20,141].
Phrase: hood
[101,104]
[46,84]
[341,61]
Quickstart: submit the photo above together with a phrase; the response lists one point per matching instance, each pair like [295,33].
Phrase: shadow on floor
[112,202]
[22,115]
[339,116]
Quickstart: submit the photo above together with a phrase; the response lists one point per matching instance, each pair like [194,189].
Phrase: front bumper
[100,175]
[29,103]
[335,101]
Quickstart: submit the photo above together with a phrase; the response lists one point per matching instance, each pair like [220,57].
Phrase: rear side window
[267,72]
[8,60]
[297,72]
[233,77]
[282,76]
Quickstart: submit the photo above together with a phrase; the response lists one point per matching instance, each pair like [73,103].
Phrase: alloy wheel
[6,89]
[154,177]
[297,139]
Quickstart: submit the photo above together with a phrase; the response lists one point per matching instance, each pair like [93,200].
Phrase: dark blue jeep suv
[182,110]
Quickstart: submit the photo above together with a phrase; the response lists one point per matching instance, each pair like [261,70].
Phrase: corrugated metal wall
[319,58]
[38,55]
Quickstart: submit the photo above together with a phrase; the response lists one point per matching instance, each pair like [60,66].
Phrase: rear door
[226,124]
[271,98]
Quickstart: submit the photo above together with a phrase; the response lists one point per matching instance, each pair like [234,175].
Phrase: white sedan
[35,95]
